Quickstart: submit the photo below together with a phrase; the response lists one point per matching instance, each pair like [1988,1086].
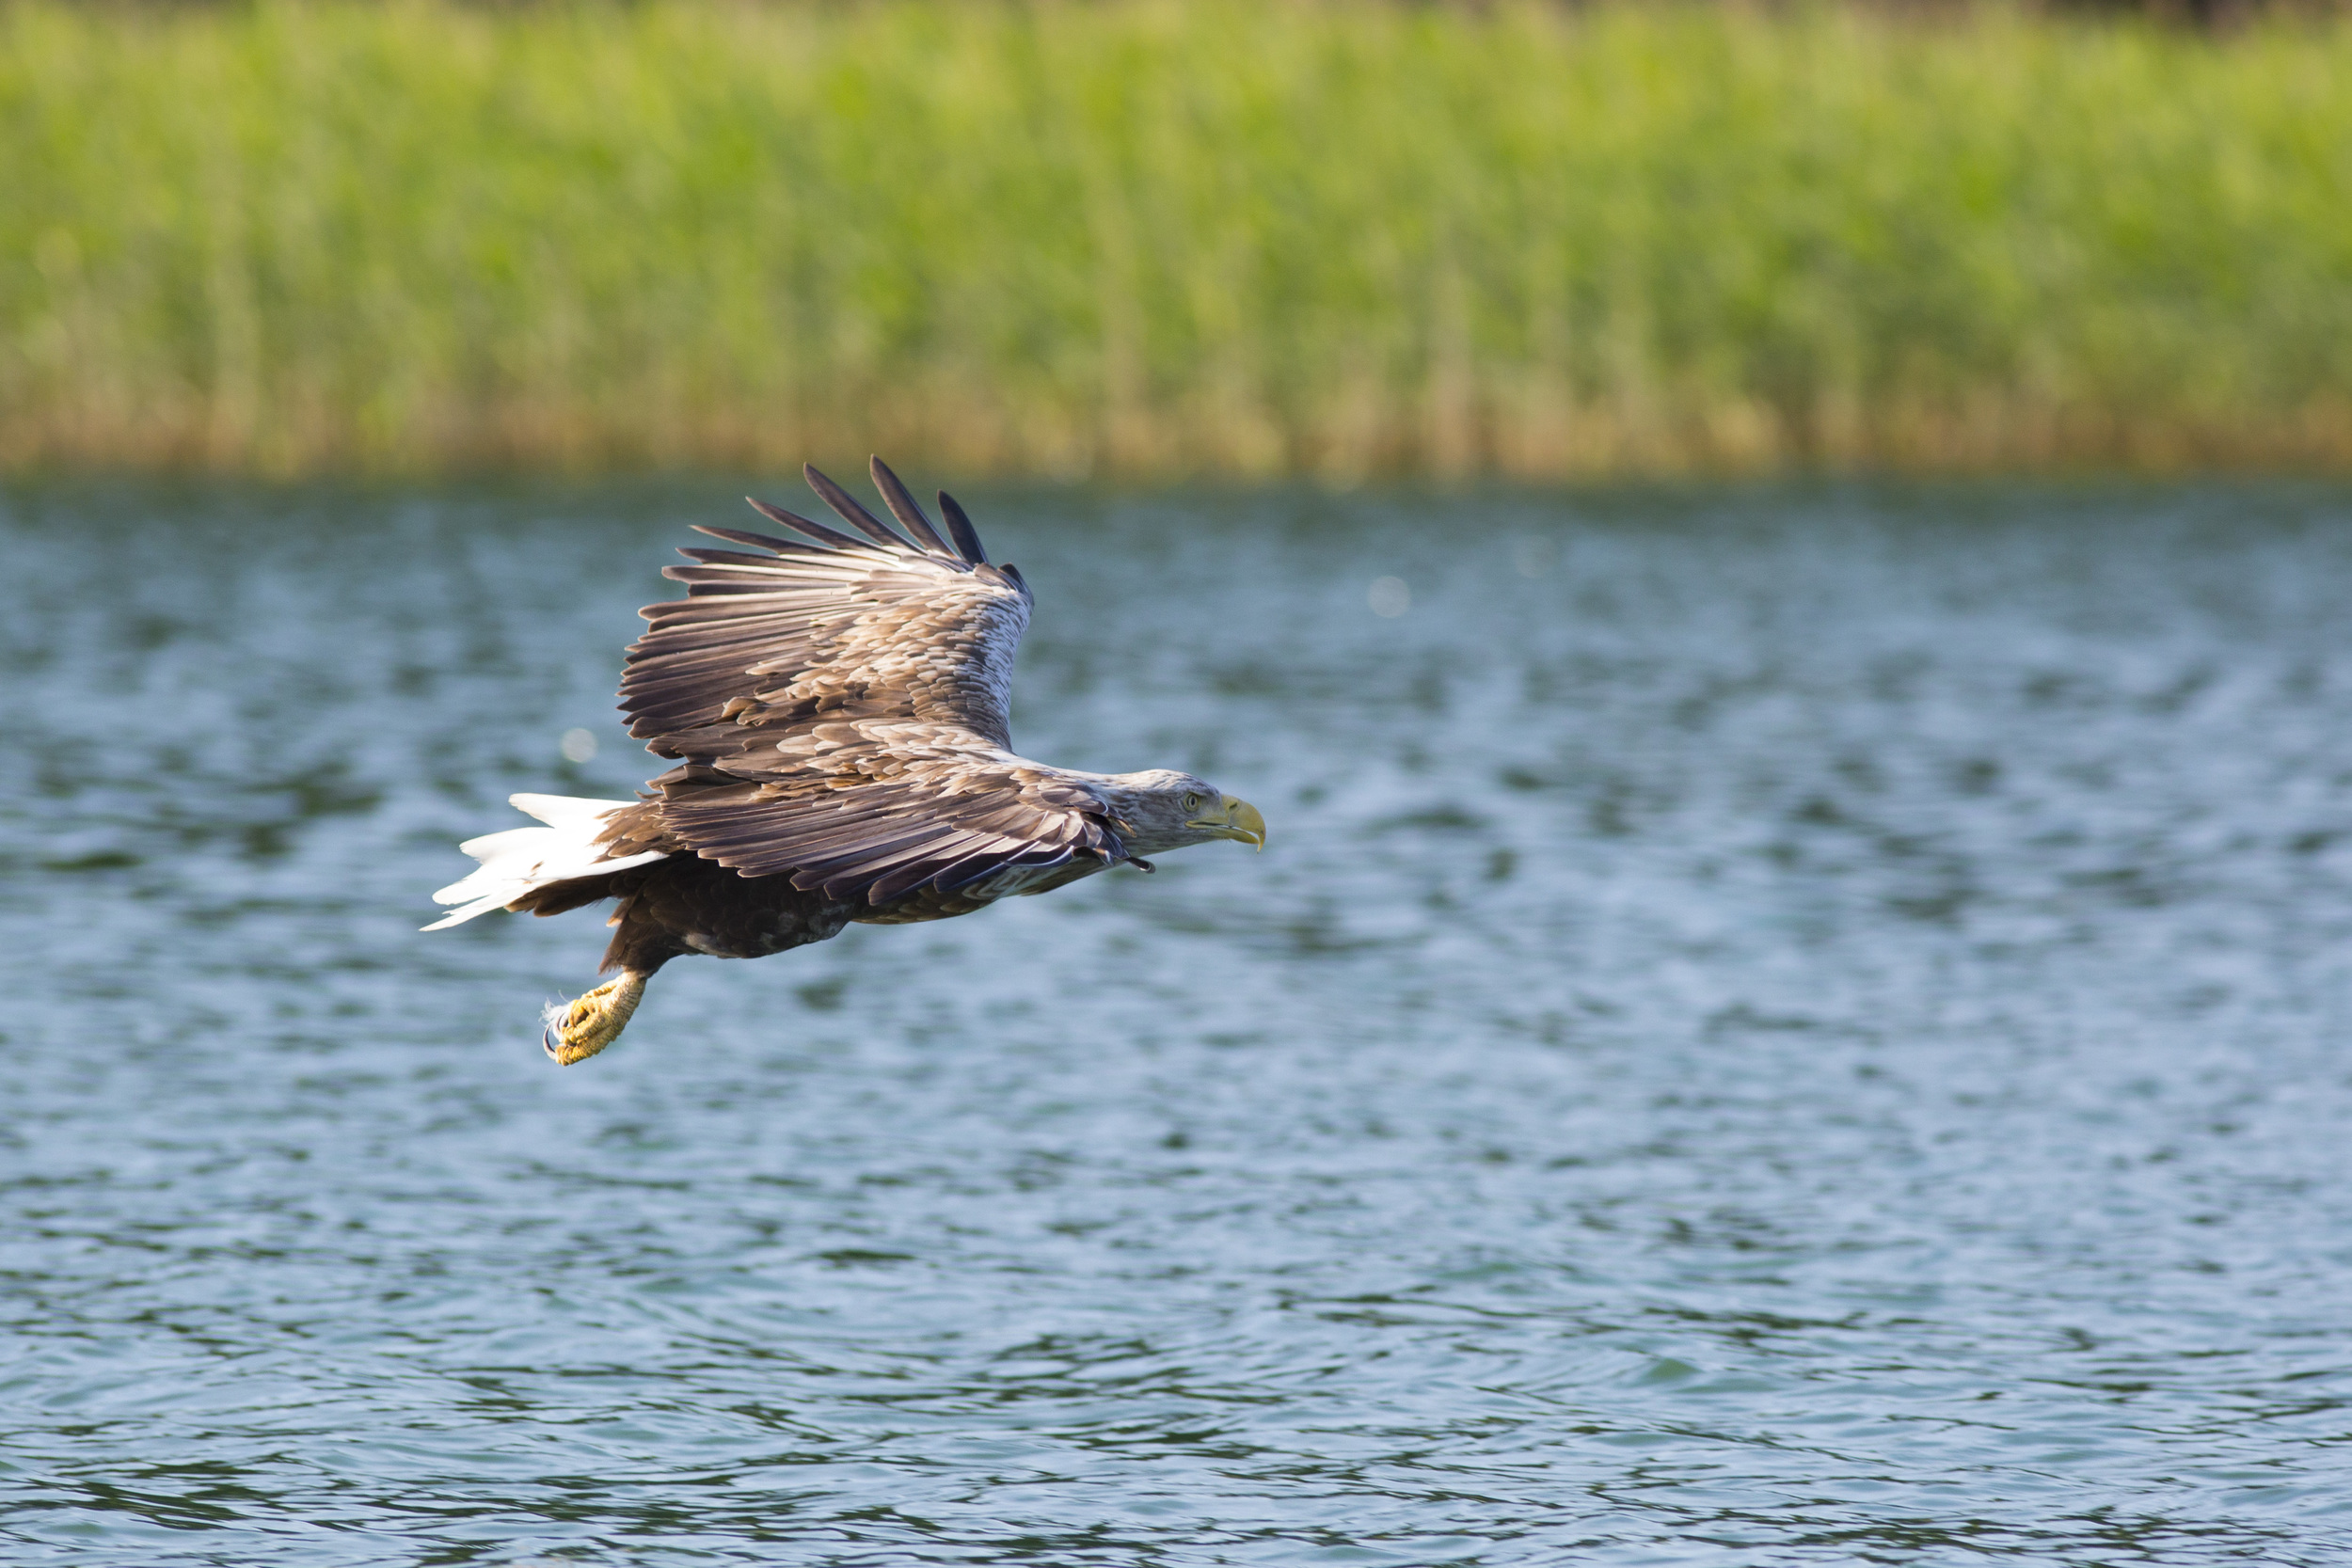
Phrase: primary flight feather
[838,706]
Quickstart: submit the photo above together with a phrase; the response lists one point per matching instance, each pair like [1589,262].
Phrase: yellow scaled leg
[593,1021]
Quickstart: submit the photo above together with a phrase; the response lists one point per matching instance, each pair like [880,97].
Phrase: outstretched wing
[765,646]
[863,824]
[841,704]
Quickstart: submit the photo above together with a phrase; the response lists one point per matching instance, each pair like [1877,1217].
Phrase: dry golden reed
[1157,237]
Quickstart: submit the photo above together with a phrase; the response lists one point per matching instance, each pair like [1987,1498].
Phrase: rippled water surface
[1777,1027]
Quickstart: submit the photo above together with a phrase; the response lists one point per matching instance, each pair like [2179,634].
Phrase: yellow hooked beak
[1241,821]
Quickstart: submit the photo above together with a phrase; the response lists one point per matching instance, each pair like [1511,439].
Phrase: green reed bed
[1241,238]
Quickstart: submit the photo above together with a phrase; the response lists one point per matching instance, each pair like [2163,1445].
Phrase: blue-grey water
[1777,1027]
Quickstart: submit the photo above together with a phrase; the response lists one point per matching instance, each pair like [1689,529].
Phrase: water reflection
[1802,1028]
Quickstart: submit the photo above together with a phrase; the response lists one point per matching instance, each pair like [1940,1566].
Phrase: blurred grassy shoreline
[1150,238]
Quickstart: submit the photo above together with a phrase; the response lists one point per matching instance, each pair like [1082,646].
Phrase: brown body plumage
[838,709]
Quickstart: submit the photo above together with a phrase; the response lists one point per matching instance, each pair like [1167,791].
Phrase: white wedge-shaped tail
[517,860]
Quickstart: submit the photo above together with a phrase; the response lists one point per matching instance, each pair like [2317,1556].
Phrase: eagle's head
[1163,810]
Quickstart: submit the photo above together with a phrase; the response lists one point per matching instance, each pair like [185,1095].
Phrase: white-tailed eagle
[837,706]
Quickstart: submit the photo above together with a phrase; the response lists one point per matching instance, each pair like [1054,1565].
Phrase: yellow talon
[593,1021]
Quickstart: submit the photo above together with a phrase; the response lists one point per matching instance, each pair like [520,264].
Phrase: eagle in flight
[837,705]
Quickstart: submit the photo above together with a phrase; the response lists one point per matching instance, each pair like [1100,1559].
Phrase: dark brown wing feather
[842,709]
[908,513]
[967,538]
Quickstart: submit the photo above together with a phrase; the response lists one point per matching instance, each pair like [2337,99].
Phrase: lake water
[1778,1026]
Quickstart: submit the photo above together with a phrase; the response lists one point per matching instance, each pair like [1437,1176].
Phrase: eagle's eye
[1192,801]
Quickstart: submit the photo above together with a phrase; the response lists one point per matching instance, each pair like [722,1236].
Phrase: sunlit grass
[1231,238]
